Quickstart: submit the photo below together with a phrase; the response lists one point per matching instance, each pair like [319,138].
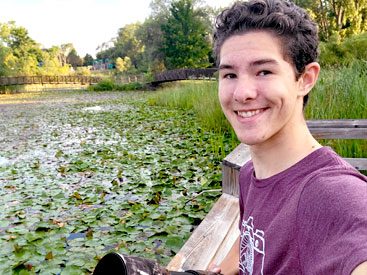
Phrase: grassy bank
[340,93]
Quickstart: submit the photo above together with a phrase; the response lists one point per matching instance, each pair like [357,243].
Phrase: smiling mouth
[247,114]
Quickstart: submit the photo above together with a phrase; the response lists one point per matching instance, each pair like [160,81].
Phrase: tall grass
[198,96]
[339,94]
[201,98]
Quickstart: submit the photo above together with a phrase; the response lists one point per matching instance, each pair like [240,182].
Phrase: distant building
[103,64]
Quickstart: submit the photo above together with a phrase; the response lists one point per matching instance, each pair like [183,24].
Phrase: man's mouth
[247,114]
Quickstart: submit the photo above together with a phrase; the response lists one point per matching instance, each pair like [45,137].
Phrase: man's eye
[264,72]
[229,76]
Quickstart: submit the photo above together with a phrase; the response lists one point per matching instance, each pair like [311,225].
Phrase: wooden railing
[130,78]
[44,79]
[214,237]
[183,74]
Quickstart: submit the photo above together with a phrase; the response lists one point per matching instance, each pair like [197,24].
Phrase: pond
[84,173]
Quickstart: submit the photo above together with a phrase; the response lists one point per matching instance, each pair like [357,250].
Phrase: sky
[84,23]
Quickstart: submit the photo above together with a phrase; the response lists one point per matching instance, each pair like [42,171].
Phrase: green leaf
[175,243]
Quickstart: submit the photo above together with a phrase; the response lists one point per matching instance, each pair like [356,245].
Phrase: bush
[130,86]
[110,85]
[104,85]
[336,53]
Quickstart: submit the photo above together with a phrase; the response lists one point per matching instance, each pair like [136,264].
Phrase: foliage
[104,85]
[151,36]
[99,173]
[336,53]
[20,55]
[123,64]
[110,85]
[74,59]
[186,40]
[51,64]
[88,60]
[342,18]
[82,71]
[340,93]
[126,44]
[148,56]
[201,98]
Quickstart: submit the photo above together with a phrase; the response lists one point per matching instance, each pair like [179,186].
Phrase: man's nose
[245,89]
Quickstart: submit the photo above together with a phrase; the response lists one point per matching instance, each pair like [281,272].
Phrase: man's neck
[283,150]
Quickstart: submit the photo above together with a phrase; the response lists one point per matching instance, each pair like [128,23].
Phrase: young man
[303,210]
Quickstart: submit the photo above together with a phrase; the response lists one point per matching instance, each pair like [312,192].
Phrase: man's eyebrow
[225,66]
[264,61]
[254,63]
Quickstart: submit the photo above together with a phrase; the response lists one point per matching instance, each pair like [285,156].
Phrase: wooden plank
[231,237]
[238,157]
[358,163]
[209,237]
[231,166]
[230,180]
[339,133]
[337,123]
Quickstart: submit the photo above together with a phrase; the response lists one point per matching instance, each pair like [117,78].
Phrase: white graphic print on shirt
[252,245]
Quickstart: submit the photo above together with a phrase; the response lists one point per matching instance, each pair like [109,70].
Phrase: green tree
[186,41]
[51,63]
[88,60]
[65,49]
[20,54]
[340,17]
[74,59]
[151,36]
[128,44]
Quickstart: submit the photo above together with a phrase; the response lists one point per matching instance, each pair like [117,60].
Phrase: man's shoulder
[335,188]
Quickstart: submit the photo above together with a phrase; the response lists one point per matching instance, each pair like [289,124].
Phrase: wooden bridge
[216,234]
[44,79]
[183,74]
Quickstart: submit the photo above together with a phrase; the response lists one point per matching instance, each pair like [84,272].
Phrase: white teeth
[249,113]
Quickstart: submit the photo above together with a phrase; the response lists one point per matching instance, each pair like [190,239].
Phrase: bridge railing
[45,79]
[141,78]
[183,74]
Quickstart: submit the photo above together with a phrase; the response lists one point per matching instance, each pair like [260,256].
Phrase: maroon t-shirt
[308,219]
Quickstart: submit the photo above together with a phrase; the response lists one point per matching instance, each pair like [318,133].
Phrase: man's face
[258,90]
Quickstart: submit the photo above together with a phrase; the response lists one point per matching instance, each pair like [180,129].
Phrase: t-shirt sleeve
[332,224]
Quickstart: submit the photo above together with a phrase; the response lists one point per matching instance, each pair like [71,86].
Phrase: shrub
[104,85]
[336,53]
[110,85]
[133,86]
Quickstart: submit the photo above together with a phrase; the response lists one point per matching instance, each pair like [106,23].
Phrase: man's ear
[308,78]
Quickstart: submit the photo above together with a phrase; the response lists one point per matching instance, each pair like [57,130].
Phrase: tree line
[177,34]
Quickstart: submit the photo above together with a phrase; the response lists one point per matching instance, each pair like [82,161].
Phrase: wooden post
[231,168]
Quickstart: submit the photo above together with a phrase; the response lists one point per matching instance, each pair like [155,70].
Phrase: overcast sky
[85,23]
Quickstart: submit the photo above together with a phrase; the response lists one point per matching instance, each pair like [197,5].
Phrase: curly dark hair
[290,23]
